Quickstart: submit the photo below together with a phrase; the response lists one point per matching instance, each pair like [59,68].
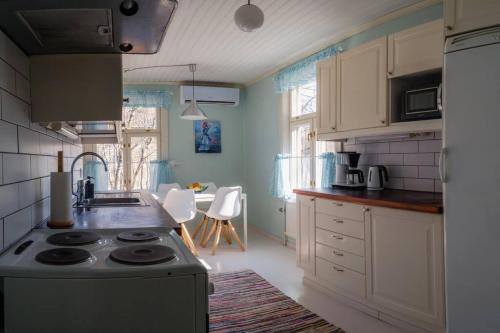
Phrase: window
[305,167]
[128,162]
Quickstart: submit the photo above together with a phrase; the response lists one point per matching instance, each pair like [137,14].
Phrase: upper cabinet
[326,107]
[76,87]
[467,15]
[362,86]
[416,50]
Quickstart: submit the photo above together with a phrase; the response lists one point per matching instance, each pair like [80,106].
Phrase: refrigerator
[470,168]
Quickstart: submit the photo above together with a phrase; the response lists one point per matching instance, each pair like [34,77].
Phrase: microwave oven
[423,103]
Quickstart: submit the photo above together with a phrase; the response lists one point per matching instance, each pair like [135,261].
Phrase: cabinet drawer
[341,242]
[340,209]
[340,277]
[340,257]
[341,225]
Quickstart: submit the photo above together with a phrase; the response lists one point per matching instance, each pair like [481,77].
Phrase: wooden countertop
[426,202]
[152,215]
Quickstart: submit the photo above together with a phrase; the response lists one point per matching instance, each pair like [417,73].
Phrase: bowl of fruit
[197,187]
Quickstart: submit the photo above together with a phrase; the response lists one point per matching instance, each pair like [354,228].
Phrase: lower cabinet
[305,233]
[389,261]
[406,270]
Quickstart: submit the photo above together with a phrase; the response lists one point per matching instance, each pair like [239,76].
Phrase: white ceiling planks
[203,32]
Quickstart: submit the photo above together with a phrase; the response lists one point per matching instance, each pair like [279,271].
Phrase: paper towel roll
[61,210]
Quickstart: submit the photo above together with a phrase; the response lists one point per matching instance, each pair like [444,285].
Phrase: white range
[108,280]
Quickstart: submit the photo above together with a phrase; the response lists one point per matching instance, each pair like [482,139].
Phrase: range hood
[89,132]
[90,26]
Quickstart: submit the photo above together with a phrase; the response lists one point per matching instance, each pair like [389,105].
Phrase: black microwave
[424,103]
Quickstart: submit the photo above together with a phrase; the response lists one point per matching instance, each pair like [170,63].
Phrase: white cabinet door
[326,107]
[362,86]
[467,15]
[305,245]
[406,270]
[415,50]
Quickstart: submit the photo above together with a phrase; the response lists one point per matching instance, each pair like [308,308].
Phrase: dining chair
[225,207]
[163,189]
[181,205]
[211,189]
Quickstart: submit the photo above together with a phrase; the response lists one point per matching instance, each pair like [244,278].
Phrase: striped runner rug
[244,302]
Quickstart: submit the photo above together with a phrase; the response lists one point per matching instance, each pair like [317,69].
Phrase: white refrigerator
[471,170]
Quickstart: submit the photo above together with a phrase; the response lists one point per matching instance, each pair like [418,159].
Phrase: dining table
[208,197]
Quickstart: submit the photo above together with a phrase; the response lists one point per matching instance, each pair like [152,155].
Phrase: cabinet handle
[449,27]
[333,128]
[338,237]
[390,73]
[339,254]
[338,269]
[338,204]
[366,209]
[338,221]
[313,199]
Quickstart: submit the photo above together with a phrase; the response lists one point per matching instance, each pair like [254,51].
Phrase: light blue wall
[224,169]
[262,138]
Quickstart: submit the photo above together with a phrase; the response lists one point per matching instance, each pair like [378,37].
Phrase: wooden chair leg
[217,237]
[235,235]
[198,227]
[210,233]
[227,233]
[188,240]
[204,231]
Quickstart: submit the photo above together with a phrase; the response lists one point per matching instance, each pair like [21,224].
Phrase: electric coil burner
[73,238]
[62,256]
[138,236]
[142,254]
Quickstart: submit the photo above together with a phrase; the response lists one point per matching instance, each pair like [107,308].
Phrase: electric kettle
[376,176]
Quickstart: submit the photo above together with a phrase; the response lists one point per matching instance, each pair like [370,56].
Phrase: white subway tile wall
[412,163]
[27,151]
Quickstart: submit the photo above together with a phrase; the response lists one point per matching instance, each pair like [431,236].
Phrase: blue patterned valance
[146,98]
[301,72]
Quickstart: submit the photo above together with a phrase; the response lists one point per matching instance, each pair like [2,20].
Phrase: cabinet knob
[382,121]
[366,209]
[312,199]
[449,27]
[333,128]
[390,73]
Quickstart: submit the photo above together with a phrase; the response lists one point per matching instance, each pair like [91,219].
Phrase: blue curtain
[301,72]
[327,169]
[160,173]
[95,169]
[146,98]
[280,185]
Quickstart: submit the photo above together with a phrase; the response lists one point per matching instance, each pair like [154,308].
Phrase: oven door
[422,104]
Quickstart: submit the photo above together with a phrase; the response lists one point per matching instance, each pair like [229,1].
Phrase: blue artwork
[207,136]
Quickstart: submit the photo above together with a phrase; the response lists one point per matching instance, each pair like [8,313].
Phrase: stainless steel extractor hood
[90,26]
[89,132]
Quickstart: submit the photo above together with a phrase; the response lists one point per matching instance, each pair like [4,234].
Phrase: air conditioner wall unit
[210,95]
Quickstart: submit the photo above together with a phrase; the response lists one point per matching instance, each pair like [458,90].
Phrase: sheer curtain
[160,173]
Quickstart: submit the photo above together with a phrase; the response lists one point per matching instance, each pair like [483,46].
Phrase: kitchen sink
[115,199]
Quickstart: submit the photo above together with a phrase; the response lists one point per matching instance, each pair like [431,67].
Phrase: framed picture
[207,136]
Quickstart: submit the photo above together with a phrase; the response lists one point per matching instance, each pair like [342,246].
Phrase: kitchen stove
[105,280]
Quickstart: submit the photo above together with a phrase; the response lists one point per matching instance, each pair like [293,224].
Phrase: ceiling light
[249,17]
[193,112]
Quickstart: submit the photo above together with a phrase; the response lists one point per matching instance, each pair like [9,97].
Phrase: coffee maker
[347,173]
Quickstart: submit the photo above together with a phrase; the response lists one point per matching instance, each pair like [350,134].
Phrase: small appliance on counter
[109,280]
[377,174]
[347,174]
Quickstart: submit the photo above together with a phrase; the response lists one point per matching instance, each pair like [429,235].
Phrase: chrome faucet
[79,187]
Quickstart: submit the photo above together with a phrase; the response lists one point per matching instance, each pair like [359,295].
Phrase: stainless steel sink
[115,199]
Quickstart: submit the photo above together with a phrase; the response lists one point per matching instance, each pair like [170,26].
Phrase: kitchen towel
[61,210]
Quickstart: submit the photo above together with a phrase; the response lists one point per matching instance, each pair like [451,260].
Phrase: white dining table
[208,197]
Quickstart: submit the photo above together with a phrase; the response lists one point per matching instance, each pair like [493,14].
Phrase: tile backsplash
[27,151]
[412,163]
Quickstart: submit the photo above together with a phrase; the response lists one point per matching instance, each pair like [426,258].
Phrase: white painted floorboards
[276,264]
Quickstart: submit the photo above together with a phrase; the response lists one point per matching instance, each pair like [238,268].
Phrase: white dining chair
[225,207]
[163,189]
[181,205]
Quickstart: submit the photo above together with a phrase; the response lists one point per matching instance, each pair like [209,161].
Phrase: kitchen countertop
[152,215]
[426,202]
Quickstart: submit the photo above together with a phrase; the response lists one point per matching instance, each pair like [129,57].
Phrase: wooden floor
[276,264]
